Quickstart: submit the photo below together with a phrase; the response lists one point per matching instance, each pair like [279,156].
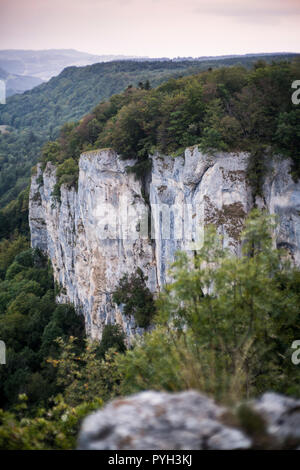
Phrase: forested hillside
[37,115]
[227,109]
[48,63]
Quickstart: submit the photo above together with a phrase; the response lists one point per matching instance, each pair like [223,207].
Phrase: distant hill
[29,68]
[242,57]
[18,83]
[25,69]
[37,115]
[45,64]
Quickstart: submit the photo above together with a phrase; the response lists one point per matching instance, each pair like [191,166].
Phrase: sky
[154,28]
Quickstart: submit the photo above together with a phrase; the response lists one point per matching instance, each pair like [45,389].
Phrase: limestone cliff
[99,232]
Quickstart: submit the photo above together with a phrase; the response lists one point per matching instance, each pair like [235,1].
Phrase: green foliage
[64,322]
[227,109]
[53,428]
[9,250]
[50,152]
[112,337]
[288,137]
[67,173]
[212,138]
[251,421]
[225,325]
[30,321]
[36,116]
[257,168]
[136,298]
[154,363]
[19,151]
[85,381]
[14,217]
[82,375]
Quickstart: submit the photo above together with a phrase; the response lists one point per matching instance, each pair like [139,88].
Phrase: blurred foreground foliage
[224,326]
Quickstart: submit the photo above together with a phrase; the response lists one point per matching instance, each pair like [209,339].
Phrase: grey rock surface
[282,415]
[82,235]
[91,248]
[186,421]
[156,420]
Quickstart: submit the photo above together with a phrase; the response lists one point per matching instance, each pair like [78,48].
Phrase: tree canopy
[228,109]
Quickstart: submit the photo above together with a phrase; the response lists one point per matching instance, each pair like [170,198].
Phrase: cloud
[257,10]
[152,27]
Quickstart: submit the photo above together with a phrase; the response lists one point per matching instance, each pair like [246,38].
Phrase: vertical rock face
[282,198]
[98,233]
[87,238]
[188,193]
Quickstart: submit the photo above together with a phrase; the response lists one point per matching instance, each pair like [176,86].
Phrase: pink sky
[154,28]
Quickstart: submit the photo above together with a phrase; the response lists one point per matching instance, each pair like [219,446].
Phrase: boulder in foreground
[189,420]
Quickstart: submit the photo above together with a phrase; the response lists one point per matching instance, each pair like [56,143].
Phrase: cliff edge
[111,226]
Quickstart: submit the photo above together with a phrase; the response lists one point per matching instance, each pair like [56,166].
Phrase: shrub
[66,173]
[82,375]
[136,297]
[55,428]
[112,337]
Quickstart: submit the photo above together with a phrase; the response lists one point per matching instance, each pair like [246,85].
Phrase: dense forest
[36,116]
[210,339]
[227,109]
[76,90]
